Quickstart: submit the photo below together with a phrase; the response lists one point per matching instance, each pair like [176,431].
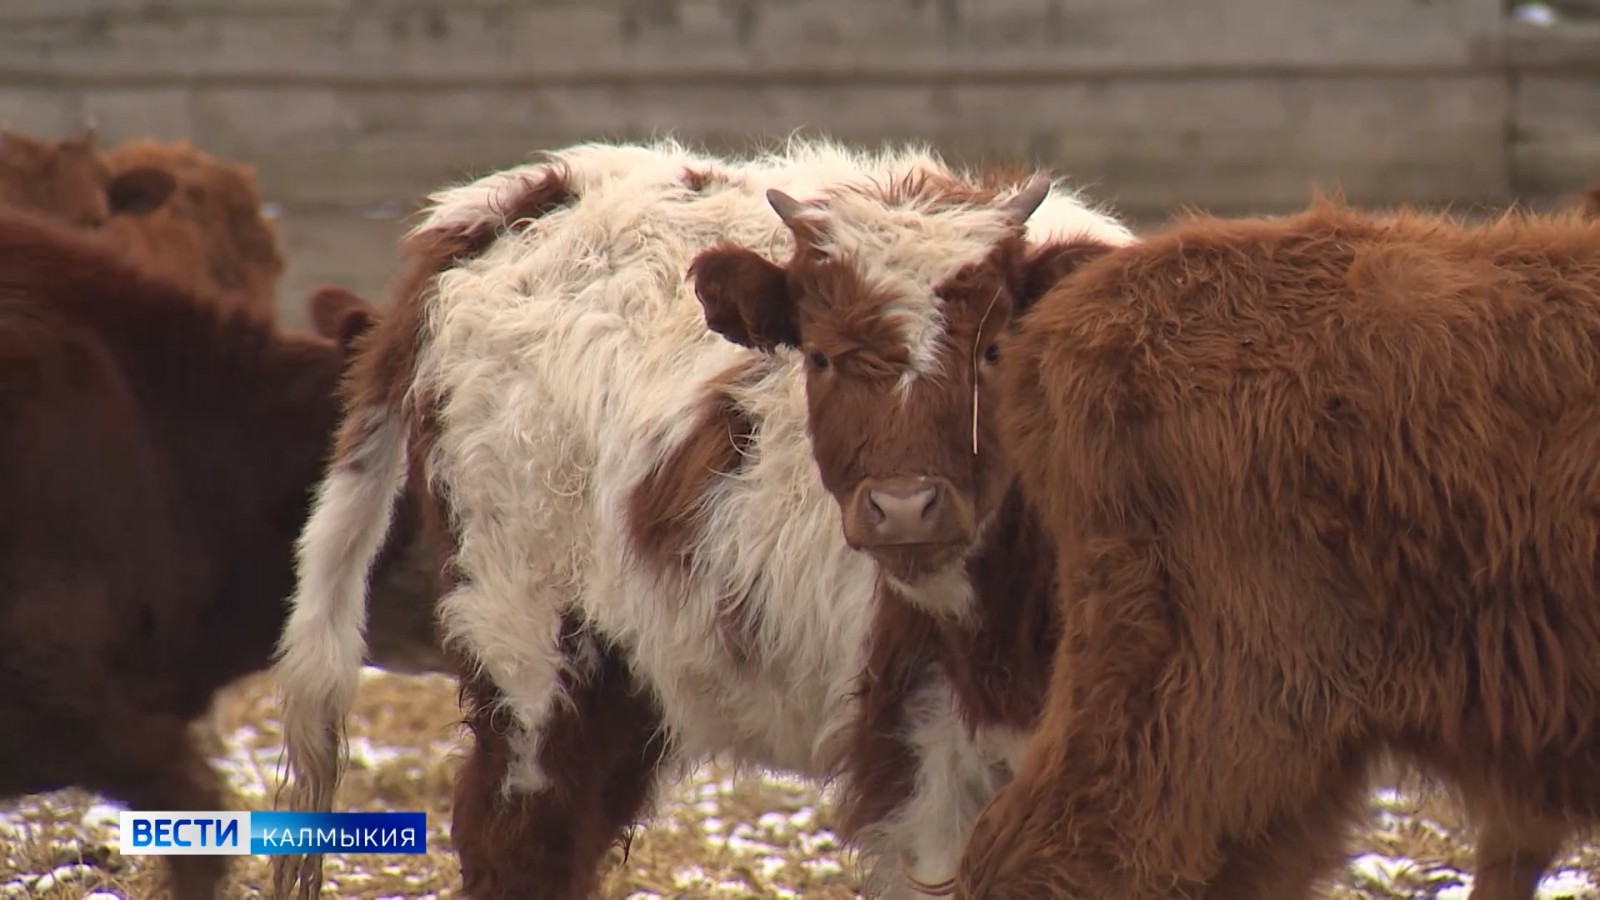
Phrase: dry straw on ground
[713,836]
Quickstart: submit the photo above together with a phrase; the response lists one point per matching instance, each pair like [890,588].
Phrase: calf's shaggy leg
[1516,841]
[509,613]
[1513,855]
[955,776]
[76,724]
[154,765]
[1158,770]
[601,751]
[1294,854]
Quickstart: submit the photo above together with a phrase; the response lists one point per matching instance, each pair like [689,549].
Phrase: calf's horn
[1027,200]
[791,212]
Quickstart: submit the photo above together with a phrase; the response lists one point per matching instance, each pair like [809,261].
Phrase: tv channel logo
[269,833]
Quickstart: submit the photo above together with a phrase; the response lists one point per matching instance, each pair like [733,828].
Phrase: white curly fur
[573,357]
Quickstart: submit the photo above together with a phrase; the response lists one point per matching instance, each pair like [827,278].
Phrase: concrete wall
[352,109]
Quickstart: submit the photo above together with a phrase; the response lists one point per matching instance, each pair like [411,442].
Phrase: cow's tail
[324,642]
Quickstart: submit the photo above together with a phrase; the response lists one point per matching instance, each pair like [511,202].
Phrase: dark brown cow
[159,452]
[999,658]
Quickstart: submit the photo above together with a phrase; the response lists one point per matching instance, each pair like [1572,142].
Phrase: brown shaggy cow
[1323,487]
[943,431]
[157,453]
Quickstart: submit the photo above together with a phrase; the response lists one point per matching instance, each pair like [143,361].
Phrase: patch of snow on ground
[1389,798]
[364,753]
[822,867]
[1379,870]
[102,815]
[689,876]
[1565,884]
[745,846]
[818,843]
[251,766]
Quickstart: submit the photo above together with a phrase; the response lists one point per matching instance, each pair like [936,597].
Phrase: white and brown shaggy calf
[645,567]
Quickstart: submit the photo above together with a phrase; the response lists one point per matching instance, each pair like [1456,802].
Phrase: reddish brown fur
[65,179]
[158,459]
[601,755]
[207,233]
[1325,487]
[700,179]
[664,508]
[666,505]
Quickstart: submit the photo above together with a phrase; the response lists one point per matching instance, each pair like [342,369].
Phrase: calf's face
[900,315]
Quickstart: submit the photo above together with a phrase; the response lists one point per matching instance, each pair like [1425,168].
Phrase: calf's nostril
[903,514]
[875,513]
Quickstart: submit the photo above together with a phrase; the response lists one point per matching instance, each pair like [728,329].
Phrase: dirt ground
[713,836]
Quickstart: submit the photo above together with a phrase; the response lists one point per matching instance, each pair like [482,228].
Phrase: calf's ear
[1589,202]
[745,297]
[140,190]
[1047,264]
[340,314]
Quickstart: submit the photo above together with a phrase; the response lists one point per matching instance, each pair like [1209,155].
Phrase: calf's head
[196,217]
[898,302]
[68,180]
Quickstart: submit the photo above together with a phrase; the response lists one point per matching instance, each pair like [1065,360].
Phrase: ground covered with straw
[712,836]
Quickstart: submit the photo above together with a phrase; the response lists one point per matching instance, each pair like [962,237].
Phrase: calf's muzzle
[907,510]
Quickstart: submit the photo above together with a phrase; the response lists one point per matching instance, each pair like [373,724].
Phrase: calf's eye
[991,353]
[818,359]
